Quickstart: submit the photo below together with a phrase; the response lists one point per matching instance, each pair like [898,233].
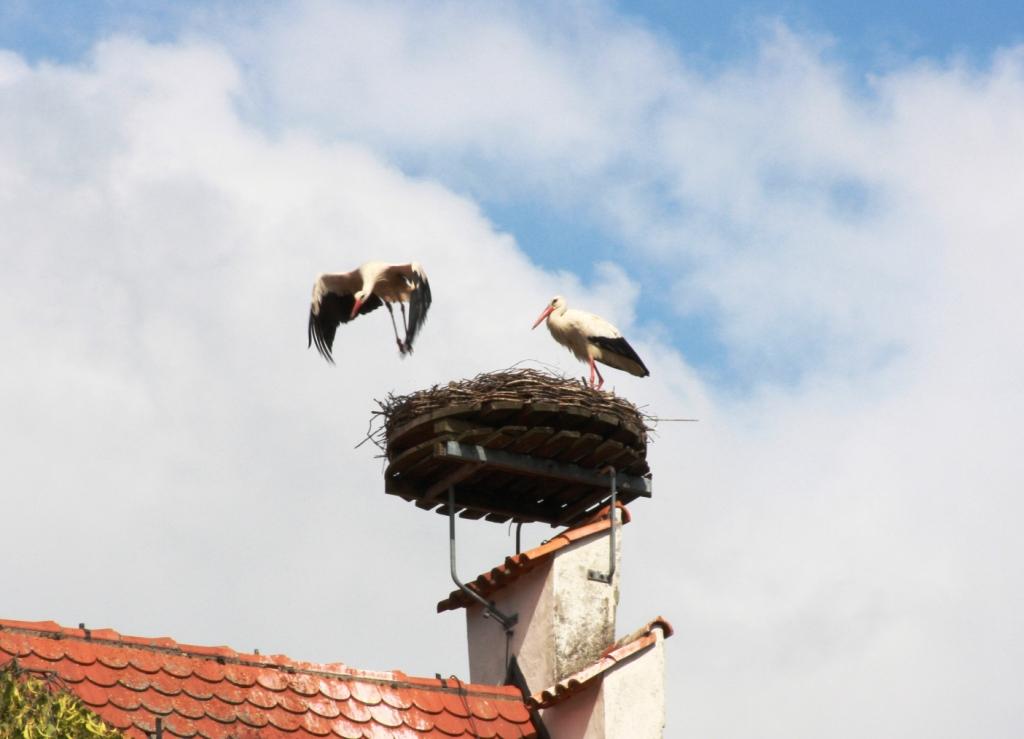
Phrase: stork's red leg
[600,379]
[401,344]
[593,369]
[406,349]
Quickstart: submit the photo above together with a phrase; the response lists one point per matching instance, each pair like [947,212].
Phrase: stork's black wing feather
[620,346]
[335,309]
[419,304]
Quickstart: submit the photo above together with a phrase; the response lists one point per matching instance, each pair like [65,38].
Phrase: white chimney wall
[628,702]
[566,620]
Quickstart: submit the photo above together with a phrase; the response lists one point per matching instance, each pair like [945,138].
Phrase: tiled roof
[517,565]
[218,693]
[622,650]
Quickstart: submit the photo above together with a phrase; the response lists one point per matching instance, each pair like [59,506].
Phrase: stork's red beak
[545,314]
[355,308]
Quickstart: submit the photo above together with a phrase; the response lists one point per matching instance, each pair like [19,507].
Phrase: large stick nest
[528,386]
[538,420]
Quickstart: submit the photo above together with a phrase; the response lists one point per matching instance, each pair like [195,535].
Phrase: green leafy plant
[37,705]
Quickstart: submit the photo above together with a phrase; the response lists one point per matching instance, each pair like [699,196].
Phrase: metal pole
[613,515]
[507,622]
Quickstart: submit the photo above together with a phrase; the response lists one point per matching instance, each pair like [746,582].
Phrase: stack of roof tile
[218,693]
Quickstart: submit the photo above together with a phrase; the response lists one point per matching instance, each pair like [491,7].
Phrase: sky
[805,217]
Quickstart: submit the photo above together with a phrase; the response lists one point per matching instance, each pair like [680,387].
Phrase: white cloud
[838,553]
[167,430]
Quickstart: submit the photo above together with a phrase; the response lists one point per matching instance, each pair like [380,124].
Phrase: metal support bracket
[613,514]
[490,610]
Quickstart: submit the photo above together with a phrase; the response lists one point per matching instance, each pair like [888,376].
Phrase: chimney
[526,446]
[566,619]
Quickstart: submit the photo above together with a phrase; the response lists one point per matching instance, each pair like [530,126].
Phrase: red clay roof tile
[189,707]
[345,728]
[517,565]
[112,658]
[285,721]
[179,726]
[272,680]
[177,666]
[123,698]
[394,698]
[71,672]
[261,698]
[118,718]
[313,724]
[485,710]
[91,694]
[355,711]
[141,661]
[49,649]
[291,702]
[456,705]
[162,682]
[428,702]
[159,703]
[449,724]
[252,717]
[385,715]
[366,693]
[228,693]
[304,684]
[513,713]
[240,676]
[416,719]
[322,707]
[335,689]
[217,693]
[485,729]
[15,645]
[197,689]
[100,674]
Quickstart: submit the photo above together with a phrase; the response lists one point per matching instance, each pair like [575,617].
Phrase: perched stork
[340,297]
[591,339]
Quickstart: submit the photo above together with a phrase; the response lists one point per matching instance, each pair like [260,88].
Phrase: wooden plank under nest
[581,448]
[517,487]
[419,429]
[556,444]
[533,438]
[500,411]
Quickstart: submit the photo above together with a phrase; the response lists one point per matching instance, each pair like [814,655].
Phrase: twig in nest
[513,384]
